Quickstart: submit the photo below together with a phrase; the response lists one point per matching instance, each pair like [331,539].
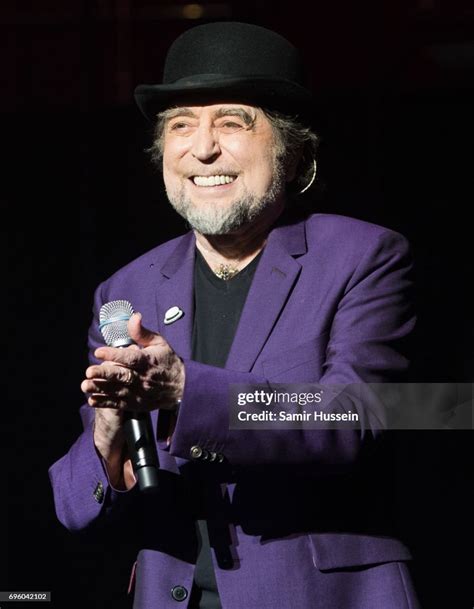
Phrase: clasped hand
[141,377]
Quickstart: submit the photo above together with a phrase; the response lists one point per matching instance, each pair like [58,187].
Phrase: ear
[292,164]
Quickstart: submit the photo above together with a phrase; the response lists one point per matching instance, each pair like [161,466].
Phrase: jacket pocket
[342,550]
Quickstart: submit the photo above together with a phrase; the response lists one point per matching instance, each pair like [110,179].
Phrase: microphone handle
[142,449]
[141,445]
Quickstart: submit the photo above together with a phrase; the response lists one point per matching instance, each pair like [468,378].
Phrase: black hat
[229,61]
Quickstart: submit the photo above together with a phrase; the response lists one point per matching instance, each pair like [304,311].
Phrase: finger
[104,401]
[89,387]
[100,387]
[141,335]
[126,357]
[110,372]
[115,402]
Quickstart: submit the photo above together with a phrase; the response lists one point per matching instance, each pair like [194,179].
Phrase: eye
[230,126]
[181,128]
[178,126]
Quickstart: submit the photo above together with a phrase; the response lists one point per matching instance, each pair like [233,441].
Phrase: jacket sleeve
[81,488]
[367,344]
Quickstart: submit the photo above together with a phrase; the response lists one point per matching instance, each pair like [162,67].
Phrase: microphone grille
[113,318]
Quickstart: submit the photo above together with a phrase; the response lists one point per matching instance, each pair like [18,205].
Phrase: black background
[80,199]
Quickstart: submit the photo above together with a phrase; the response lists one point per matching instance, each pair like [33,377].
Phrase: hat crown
[232,49]
[230,61]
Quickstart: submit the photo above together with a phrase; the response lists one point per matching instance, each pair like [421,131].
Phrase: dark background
[80,199]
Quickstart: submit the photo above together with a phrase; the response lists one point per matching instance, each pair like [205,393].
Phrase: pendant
[226,272]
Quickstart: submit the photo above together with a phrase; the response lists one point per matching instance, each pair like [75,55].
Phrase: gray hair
[294,140]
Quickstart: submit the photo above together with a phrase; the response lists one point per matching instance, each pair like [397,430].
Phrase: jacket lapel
[274,278]
[177,290]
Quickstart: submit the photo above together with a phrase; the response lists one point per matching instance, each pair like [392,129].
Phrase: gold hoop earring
[313,177]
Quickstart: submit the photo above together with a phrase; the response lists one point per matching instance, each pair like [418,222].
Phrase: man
[252,519]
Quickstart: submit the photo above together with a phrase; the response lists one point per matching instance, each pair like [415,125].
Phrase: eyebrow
[171,113]
[167,115]
[243,114]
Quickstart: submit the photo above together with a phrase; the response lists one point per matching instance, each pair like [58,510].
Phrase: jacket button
[212,456]
[179,593]
[195,452]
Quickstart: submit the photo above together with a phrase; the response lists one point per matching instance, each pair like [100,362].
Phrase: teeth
[212,180]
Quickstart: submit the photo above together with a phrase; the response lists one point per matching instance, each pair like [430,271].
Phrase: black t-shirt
[218,306]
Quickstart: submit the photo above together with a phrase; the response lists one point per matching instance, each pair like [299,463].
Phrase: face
[220,166]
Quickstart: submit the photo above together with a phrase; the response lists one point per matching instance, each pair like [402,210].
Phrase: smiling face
[220,166]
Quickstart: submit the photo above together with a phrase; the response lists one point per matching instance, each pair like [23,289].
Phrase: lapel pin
[173,315]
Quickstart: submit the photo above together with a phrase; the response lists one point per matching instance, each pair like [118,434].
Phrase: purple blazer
[305,525]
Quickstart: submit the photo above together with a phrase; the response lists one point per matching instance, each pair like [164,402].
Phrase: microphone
[138,429]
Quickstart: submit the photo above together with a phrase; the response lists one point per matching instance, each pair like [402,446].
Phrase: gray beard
[213,220]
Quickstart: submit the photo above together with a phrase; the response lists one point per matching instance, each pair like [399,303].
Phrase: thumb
[141,335]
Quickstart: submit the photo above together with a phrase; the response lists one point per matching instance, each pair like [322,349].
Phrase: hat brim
[273,94]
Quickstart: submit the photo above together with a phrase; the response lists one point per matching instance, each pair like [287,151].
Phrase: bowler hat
[229,61]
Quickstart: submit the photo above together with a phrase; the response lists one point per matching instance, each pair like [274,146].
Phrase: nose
[205,146]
